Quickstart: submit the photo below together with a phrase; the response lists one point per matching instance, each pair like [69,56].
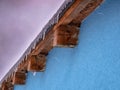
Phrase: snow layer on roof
[47,27]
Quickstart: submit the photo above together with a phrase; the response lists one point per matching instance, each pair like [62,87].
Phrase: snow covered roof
[40,36]
[84,9]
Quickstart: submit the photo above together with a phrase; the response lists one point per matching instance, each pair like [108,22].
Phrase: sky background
[20,22]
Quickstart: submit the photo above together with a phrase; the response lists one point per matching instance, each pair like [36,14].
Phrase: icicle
[43,35]
[57,18]
[34,73]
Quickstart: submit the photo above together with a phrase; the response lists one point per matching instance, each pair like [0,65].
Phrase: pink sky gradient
[20,22]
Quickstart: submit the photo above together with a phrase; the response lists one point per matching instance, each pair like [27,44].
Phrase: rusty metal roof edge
[47,27]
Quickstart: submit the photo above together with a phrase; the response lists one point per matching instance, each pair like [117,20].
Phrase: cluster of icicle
[41,35]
